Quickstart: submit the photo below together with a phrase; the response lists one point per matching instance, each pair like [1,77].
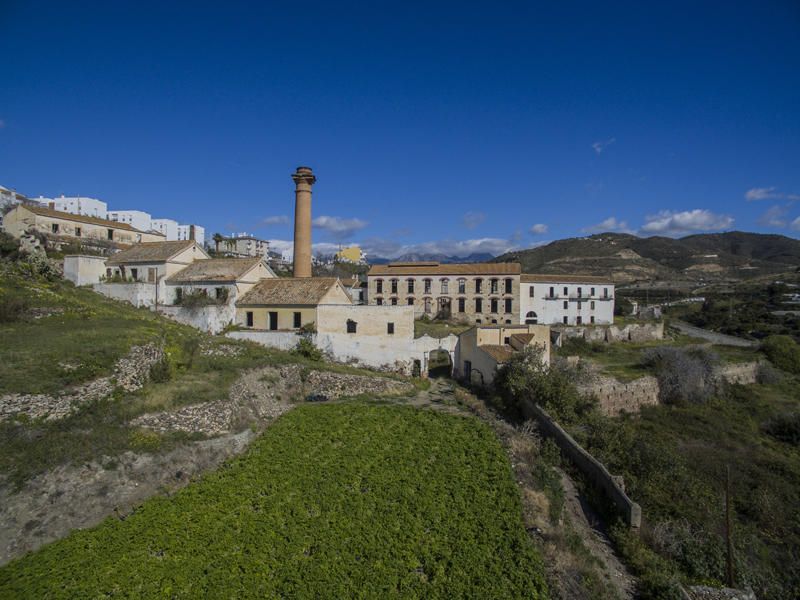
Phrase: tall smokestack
[303,180]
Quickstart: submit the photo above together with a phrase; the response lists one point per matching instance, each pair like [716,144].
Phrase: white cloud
[774,217]
[461,248]
[795,224]
[600,146]
[473,219]
[275,220]
[610,224]
[678,223]
[339,227]
[286,248]
[539,229]
[764,193]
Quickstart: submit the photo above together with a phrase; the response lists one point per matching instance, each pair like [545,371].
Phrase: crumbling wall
[213,318]
[634,332]
[615,397]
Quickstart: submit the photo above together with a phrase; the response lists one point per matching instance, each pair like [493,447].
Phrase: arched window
[531,318]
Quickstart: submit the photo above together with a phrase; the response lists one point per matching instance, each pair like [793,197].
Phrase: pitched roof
[215,269]
[499,352]
[285,290]
[57,214]
[533,278]
[435,268]
[150,252]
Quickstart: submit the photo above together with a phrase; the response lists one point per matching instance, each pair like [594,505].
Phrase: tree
[218,238]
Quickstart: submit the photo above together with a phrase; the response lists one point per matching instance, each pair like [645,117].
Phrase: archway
[531,318]
[439,363]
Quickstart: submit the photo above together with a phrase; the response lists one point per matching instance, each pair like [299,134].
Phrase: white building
[166,227]
[76,205]
[135,218]
[192,232]
[566,300]
[243,244]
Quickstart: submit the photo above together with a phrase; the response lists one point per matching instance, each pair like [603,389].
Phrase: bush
[160,372]
[526,377]
[12,308]
[190,346]
[785,427]
[307,349]
[684,375]
[783,352]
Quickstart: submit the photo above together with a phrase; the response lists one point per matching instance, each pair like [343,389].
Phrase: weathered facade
[222,279]
[482,293]
[566,300]
[24,218]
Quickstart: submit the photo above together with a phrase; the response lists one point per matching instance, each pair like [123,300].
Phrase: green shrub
[190,347]
[684,375]
[785,427]
[12,308]
[160,372]
[306,348]
[783,352]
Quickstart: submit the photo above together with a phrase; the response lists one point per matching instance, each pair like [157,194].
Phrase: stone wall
[615,396]
[744,373]
[588,465]
[634,332]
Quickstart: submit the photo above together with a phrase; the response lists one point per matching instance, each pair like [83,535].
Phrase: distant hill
[442,258]
[693,259]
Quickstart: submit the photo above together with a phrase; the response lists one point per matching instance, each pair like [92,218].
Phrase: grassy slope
[673,461]
[438,329]
[340,501]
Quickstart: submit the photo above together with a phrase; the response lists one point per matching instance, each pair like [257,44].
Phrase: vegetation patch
[339,500]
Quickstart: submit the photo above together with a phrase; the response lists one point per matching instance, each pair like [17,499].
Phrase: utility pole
[728,534]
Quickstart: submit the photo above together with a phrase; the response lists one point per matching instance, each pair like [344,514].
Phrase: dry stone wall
[635,332]
[615,396]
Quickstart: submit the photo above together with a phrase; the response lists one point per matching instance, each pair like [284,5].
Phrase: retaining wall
[212,318]
[634,332]
[587,464]
[616,396]
[138,294]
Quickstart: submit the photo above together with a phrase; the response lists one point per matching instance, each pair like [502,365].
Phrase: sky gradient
[452,127]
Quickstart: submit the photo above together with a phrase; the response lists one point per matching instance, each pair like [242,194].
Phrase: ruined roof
[57,214]
[435,268]
[150,252]
[499,352]
[532,278]
[285,290]
[525,338]
[215,269]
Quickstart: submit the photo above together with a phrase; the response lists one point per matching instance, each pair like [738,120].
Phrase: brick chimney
[303,180]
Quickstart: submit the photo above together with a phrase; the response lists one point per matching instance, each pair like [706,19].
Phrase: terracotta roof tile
[434,268]
[150,252]
[215,269]
[57,214]
[525,338]
[499,352]
[284,290]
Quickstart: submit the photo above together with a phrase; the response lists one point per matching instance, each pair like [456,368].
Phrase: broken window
[54,228]
[135,274]
[462,286]
[445,283]
[509,285]
[77,232]
[394,286]
[351,326]
[379,286]
[110,234]
[493,289]
[461,305]
[427,286]
[410,286]
[394,301]
[410,302]
[478,285]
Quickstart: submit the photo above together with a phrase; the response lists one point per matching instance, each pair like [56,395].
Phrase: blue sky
[453,127]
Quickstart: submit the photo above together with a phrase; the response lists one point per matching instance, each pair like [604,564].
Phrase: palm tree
[218,237]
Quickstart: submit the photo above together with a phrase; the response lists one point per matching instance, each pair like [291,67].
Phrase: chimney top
[303,169]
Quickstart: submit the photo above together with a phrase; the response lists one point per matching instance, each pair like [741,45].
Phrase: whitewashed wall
[84,270]
[213,318]
[138,294]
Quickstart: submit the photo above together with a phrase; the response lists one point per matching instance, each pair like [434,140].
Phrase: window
[445,284]
[390,328]
[591,320]
[108,273]
[566,291]
[566,321]
[494,321]
[461,305]
[552,292]
[394,286]
[298,320]
[579,320]
[394,301]
[351,326]
[110,234]
[506,340]
[77,232]
[410,286]
[580,292]
[478,305]
[54,228]
[478,286]
[379,286]
[493,288]
[591,304]
[566,304]
[220,293]
[509,303]
[605,292]
[379,301]
[248,314]
[591,292]
[580,304]
[530,292]
[509,285]
[410,302]
[135,274]
[494,305]
[462,287]
[179,299]
[427,305]
[151,274]
[531,318]
[427,286]
[477,321]
[273,321]
[508,321]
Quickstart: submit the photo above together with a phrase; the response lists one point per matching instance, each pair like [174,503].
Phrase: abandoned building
[475,293]
[223,280]
[566,300]
[481,350]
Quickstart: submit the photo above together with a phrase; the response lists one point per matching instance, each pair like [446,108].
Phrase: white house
[220,279]
[77,205]
[135,218]
[192,232]
[166,227]
[566,300]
